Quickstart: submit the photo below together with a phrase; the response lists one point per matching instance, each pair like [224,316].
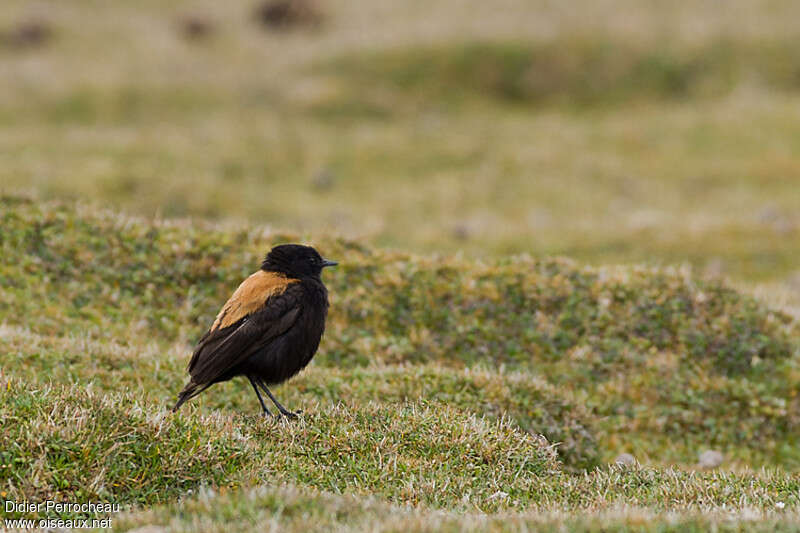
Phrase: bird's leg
[260,399]
[284,411]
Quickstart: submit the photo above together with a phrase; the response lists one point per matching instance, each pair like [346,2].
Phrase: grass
[71,445]
[696,348]
[574,73]
[432,408]
[665,140]
[292,510]
[449,156]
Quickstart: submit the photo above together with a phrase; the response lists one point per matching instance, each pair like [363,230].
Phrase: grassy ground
[482,140]
[289,509]
[663,135]
[510,397]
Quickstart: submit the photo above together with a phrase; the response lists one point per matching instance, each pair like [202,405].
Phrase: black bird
[268,330]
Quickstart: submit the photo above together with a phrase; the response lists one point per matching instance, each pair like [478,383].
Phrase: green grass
[289,509]
[666,140]
[577,73]
[435,380]
[72,445]
[665,363]
[449,156]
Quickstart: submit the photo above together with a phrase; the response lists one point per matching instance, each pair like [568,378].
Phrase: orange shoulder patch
[250,296]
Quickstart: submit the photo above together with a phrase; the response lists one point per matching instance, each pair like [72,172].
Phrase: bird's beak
[328,263]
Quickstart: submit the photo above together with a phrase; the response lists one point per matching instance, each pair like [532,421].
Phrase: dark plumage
[268,330]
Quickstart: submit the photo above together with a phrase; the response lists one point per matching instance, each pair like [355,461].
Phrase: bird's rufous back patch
[250,296]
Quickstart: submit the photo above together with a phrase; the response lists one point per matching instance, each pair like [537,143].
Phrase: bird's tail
[191,390]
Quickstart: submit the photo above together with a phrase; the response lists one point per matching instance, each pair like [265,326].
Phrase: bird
[268,330]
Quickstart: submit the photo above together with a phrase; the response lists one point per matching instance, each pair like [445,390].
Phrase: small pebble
[30,34]
[625,459]
[323,180]
[461,232]
[195,27]
[710,459]
[283,14]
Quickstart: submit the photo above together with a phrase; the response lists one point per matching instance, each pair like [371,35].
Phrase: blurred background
[606,130]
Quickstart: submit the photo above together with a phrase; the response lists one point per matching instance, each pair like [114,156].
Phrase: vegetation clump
[65,443]
[575,72]
[436,380]
[659,361]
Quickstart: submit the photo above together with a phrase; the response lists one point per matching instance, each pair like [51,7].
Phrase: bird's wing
[250,296]
[247,322]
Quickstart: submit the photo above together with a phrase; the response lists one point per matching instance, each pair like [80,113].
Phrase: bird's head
[295,260]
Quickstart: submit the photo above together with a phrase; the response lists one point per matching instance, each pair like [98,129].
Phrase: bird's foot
[292,415]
